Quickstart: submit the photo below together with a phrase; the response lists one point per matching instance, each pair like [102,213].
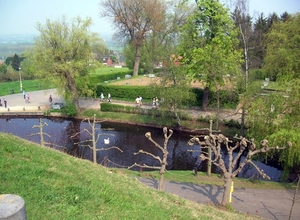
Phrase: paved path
[39,102]
[265,203]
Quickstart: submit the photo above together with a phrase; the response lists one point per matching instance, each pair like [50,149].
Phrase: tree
[275,116]
[134,19]
[15,63]
[93,139]
[229,168]
[214,54]
[243,21]
[62,56]
[163,160]
[174,87]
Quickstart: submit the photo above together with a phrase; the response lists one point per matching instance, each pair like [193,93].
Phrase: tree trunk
[218,109]
[137,61]
[72,89]
[227,187]
[205,99]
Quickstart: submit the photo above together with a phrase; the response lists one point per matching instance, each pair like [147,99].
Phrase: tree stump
[12,207]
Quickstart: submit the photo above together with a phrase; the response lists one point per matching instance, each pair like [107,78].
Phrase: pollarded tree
[214,54]
[134,19]
[63,56]
[163,161]
[230,167]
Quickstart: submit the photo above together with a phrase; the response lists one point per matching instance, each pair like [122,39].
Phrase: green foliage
[129,92]
[154,112]
[70,110]
[282,59]
[290,158]
[15,63]
[100,78]
[63,56]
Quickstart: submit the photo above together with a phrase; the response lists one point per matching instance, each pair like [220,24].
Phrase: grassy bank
[57,186]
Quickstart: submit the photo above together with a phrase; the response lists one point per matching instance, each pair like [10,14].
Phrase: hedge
[98,78]
[228,98]
[109,107]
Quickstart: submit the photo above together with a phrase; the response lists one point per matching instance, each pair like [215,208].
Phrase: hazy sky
[21,16]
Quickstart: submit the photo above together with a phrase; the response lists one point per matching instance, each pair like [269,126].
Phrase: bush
[69,110]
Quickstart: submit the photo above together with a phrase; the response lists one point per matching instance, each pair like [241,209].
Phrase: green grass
[28,85]
[110,70]
[57,186]
[188,176]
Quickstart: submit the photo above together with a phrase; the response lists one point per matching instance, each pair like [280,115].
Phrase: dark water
[129,138]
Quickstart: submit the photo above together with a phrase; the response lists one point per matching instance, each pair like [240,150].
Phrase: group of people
[4,101]
[26,96]
[155,102]
[102,97]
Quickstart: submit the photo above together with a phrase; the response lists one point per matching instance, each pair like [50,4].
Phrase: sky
[21,16]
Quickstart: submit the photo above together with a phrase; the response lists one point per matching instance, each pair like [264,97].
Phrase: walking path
[39,102]
[265,203]
[269,204]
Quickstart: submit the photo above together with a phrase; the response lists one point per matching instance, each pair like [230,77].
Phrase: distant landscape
[11,44]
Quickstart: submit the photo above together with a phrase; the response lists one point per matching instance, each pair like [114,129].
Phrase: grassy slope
[57,186]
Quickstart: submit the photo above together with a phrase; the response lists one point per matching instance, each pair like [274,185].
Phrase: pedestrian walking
[5,103]
[137,101]
[50,99]
[109,97]
[27,98]
[24,94]
[102,97]
[0,102]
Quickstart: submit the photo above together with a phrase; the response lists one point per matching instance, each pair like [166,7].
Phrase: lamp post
[21,87]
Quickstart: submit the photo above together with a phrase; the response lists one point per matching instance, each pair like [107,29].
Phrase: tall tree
[276,115]
[173,86]
[243,21]
[214,53]
[62,56]
[15,62]
[133,19]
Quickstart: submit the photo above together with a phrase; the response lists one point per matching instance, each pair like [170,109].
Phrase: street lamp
[21,87]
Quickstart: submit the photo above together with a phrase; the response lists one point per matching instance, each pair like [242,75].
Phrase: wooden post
[105,161]
[141,168]
[209,151]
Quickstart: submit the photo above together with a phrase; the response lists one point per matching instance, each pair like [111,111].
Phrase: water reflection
[66,134]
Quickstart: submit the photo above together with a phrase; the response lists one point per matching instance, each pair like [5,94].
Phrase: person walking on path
[5,103]
[50,99]
[27,98]
[109,97]
[102,97]
[24,94]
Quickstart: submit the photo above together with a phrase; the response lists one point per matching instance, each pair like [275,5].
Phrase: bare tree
[162,161]
[134,19]
[94,139]
[41,133]
[231,170]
